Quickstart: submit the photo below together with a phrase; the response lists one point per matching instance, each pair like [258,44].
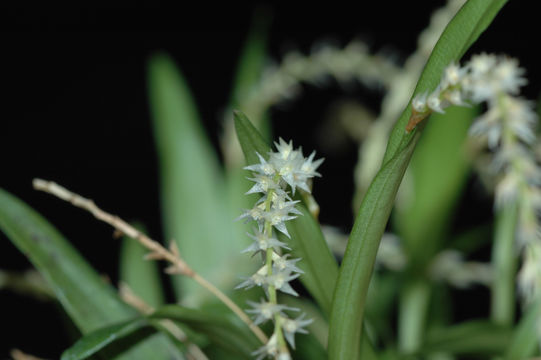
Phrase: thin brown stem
[157,251]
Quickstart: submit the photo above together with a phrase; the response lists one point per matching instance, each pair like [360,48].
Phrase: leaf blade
[353,280]
[99,339]
[224,331]
[192,188]
[90,302]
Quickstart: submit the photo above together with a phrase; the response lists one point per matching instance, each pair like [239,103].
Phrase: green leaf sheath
[88,300]
[352,285]
[141,276]
[192,190]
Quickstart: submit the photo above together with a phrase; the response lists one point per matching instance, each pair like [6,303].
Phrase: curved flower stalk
[507,128]
[286,168]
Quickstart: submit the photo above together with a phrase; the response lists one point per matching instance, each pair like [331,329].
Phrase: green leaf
[352,284]
[436,177]
[504,265]
[306,241]
[252,58]
[226,332]
[140,275]
[477,337]
[99,339]
[438,172]
[524,340]
[317,262]
[356,269]
[88,300]
[192,186]
[248,73]
[250,139]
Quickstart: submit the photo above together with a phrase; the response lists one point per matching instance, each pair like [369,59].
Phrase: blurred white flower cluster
[285,168]
[508,128]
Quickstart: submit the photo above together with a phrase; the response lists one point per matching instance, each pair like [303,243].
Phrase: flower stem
[271,289]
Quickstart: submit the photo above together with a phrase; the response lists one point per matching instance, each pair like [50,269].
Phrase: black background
[74,110]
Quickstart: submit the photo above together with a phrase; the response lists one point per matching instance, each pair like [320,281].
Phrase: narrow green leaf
[356,268]
[524,341]
[192,190]
[88,300]
[141,276]
[226,332]
[317,262]
[306,241]
[99,339]
[252,58]
[352,285]
[248,73]
[250,139]
[478,337]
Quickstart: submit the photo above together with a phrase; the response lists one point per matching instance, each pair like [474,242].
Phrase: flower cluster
[284,169]
[508,127]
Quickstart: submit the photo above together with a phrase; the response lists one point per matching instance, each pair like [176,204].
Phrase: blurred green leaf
[99,339]
[476,337]
[352,284]
[438,171]
[252,58]
[248,73]
[140,275]
[225,331]
[306,241]
[88,300]
[524,340]
[192,186]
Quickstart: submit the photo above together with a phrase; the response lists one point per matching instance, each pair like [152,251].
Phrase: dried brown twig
[157,251]
[17,354]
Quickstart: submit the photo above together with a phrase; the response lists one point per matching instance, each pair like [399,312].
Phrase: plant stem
[504,263]
[413,308]
[268,263]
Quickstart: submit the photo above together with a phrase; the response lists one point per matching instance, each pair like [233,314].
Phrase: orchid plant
[280,285]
